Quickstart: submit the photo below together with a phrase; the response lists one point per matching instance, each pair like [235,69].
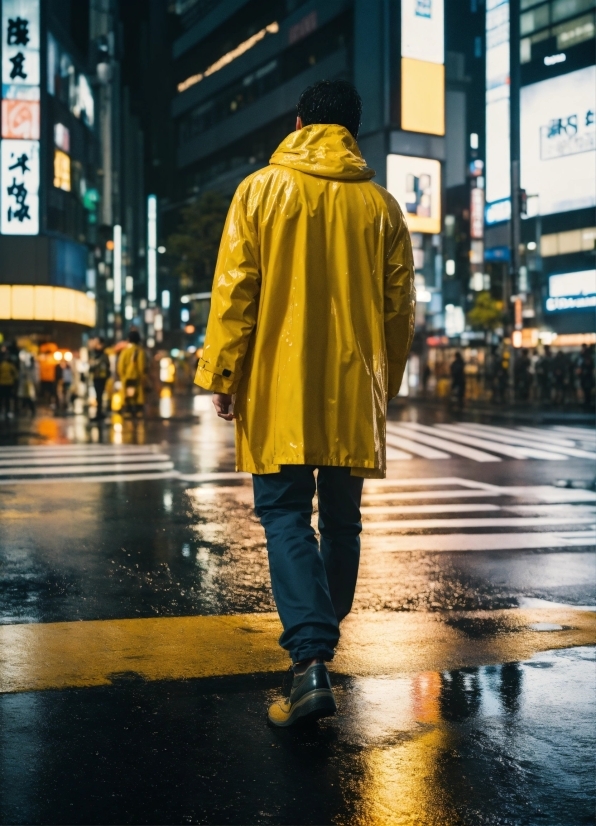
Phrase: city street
[138,634]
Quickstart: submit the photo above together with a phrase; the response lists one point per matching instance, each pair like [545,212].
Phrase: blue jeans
[313,588]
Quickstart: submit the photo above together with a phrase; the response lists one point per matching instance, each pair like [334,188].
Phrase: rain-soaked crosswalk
[487,443]
[83,463]
[405,441]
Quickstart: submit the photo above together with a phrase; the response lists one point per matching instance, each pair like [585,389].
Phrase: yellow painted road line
[63,655]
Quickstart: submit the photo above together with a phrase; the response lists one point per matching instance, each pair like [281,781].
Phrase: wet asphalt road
[465,679]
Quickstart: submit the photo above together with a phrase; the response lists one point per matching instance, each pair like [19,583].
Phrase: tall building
[71,174]
[240,66]
[541,80]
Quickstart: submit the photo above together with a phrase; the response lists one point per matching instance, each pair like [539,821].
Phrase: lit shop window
[61,170]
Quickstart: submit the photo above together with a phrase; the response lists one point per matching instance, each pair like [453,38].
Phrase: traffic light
[523,202]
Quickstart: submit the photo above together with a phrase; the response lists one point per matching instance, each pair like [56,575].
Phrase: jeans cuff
[321,652]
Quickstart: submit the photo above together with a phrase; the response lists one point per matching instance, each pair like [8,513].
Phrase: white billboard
[572,291]
[498,188]
[19,180]
[422,30]
[415,183]
[19,153]
[20,49]
[558,142]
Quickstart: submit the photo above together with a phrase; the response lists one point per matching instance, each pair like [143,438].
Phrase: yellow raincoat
[132,366]
[312,310]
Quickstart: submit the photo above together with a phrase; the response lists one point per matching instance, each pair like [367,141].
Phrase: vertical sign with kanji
[19,150]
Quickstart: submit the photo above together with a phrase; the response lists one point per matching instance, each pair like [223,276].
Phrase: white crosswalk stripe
[444,514]
[528,441]
[488,443]
[446,526]
[83,463]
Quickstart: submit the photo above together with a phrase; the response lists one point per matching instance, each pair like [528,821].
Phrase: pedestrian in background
[26,388]
[9,376]
[560,373]
[312,317]
[66,384]
[99,368]
[544,371]
[48,379]
[458,379]
[522,378]
[132,368]
[586,376]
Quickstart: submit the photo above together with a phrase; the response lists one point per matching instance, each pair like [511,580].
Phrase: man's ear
[298,123]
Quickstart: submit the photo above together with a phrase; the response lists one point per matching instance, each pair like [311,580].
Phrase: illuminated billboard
[20,119]
[422,66]
[19,179]
[23,302]
[498,185]
[415,183]
[19,150]
[422,30]
[558,142]
[571,291]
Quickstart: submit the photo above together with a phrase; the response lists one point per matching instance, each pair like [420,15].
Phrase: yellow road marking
[79,654]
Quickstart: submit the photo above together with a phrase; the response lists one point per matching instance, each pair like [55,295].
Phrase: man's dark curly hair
[331,101]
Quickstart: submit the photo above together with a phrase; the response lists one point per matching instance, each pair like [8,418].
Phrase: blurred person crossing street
[458,379]
[66,385]
[311,322]
[522,376]
[9,376]
[544,375]
[27,380]
[99,368]
[585,371]
[132,370]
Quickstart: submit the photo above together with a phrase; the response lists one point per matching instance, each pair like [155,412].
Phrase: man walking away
[100,373]
[312,317]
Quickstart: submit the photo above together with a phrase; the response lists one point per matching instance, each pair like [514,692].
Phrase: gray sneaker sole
[311,707]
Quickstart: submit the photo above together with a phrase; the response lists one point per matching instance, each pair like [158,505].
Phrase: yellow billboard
[422,96]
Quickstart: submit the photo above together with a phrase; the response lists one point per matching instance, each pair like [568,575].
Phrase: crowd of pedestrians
[562,378]
[56,379]
[547,378]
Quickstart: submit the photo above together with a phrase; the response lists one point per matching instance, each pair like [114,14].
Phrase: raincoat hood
[325,150]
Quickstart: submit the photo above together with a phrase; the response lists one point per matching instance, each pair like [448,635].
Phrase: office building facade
[71,187]
[240,66]
[550,46]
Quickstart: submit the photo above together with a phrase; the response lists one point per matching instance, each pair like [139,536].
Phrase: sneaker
[311,698]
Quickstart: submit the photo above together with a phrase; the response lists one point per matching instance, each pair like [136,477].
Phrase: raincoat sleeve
[234,303]
[400,300]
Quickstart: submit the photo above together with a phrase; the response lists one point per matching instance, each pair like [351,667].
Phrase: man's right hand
[222,403]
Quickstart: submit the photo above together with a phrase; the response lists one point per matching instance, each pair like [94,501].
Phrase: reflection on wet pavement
[501,744]
[455,709]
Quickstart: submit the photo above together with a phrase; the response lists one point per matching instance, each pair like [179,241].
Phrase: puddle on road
[461,746]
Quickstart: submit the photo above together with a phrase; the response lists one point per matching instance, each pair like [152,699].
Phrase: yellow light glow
[422,96]
[41,303]
[61,170]
[272,28]
[22,302]
[68,356]
[574,339]
[58,355]
[5,301]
